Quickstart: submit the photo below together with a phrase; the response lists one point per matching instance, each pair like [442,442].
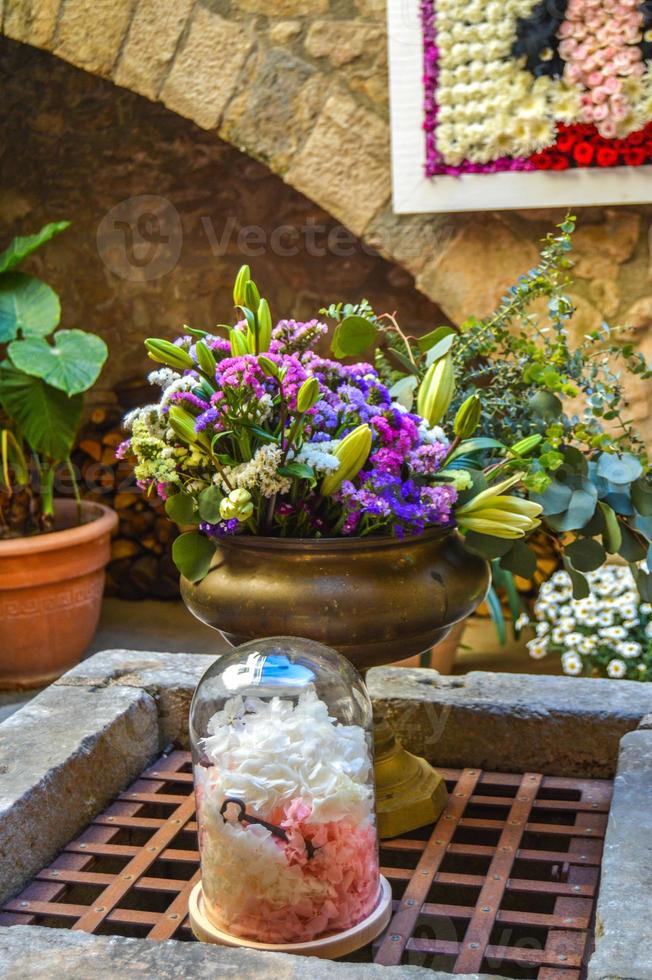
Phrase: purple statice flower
[220,530]
[388,460]
[396,430]
[219,345]
[210,417]
[162,491]
[402,504]
[438,502]
[426,460]
[123,449]
[294,376]
[190,399]
[242,372]
[295,337]
[351,523]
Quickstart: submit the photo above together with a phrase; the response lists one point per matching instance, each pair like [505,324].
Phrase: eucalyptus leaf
[612,535]
[579,512]
[486,545]
[27,306]
[45,417]
[352,336]
[180,508]
[555,499]
[643,581]
[545,404]
[520,560]
[641,492]
[193,553]
[72,364]
[624,468]
[209,504]
[24,245]
[586,554]
[621,502]
[581,589]
[633,546]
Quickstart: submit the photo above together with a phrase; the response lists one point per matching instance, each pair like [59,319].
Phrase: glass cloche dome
[281,733]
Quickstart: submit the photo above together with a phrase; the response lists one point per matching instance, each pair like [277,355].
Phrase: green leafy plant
[43,375]
[587,466]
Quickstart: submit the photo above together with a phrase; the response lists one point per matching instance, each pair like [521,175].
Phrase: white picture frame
[414,193]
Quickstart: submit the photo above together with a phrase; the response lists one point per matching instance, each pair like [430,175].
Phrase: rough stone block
[90,32]
[624,913]
[343,164]
[459,283]
[342,41]
[30,21]
[153,37]
[564,726]
[205,72]
[41,954]
[275,111]
[63,757]
[284,8]
[169,678]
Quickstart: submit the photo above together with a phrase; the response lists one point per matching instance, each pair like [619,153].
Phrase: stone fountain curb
[93,731]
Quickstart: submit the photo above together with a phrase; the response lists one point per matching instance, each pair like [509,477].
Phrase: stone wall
[76,146]
[302,86]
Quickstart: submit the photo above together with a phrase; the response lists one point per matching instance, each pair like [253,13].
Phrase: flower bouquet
[256,433]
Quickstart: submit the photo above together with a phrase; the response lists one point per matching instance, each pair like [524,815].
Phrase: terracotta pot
[442,656]
[375,600]
[51,593]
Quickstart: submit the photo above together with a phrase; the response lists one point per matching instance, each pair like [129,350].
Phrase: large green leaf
[192,554]
[353,336]
[586,554]
[180,508]
[72,363]
[22,246]
[45,417]
[26,305]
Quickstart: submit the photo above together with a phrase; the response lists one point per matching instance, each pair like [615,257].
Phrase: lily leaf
[27,306]
[581,588]
[428,341]
[475,446]
[72,364]
[403,391]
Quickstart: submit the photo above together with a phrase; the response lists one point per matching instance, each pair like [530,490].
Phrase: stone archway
[301,85]
[302,88]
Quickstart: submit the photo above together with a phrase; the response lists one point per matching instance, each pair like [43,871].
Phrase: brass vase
[375,600]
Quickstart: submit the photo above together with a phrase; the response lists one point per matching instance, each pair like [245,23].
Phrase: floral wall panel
[516,103]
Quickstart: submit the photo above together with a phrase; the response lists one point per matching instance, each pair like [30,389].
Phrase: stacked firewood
[141,564]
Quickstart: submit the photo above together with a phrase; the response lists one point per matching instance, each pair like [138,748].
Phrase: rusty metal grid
[505,882]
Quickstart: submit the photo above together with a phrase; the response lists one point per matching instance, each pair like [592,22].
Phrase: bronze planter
[375,600]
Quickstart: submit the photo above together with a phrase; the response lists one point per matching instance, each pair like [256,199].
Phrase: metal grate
[505,882]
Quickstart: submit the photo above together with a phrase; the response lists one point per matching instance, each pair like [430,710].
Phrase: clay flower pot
[375,600]
[50,594]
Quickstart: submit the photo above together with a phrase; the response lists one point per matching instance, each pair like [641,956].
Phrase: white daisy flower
[616,668]
[629,649]
[572,664]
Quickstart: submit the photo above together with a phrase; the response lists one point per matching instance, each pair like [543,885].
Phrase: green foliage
[41,382]
[192,554]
